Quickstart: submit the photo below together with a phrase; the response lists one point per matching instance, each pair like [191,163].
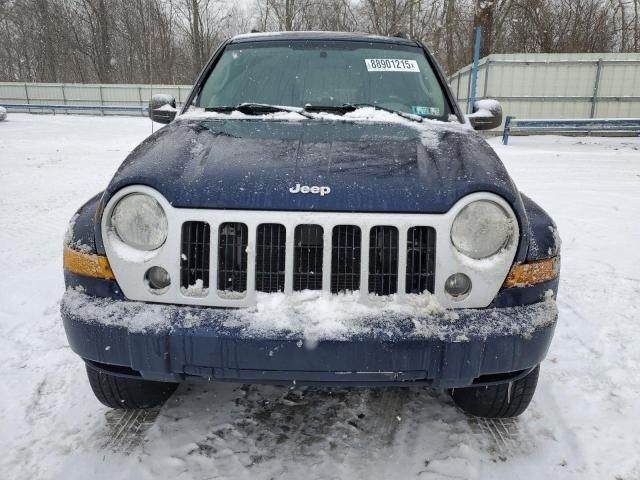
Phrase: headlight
[140,222]
[481,229]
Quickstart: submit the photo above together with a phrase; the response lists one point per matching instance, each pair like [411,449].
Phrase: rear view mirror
[162,108]
[487,114]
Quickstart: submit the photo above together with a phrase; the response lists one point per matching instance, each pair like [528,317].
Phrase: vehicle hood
[407,167]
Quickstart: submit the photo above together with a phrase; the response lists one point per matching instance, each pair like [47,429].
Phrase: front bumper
[172,343]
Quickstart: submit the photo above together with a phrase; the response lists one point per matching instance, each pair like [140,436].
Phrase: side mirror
[487,114]
[162,108]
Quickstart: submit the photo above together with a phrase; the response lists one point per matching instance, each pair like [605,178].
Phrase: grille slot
[232,257]
[307,257]
[345,258]
[270,257]
[421,259]
[194,254]
[383,260]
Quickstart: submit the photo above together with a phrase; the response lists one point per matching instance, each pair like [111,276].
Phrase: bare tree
[169,41]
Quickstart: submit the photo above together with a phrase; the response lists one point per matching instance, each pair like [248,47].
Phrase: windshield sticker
[425,111]
[391,65]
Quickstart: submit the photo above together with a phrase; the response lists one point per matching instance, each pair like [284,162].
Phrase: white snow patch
[361,115]
[201,114]
[317,316]
[231,295]
[582,424]
[557,240]
[166,108]
[72,244]
[195,290]
[126,252]
[197,148]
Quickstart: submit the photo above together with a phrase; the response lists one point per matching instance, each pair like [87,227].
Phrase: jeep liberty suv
[319,211]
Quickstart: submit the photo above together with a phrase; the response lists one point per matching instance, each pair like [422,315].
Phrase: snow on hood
[247,162]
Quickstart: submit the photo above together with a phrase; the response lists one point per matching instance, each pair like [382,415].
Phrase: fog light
[157,279]
[457,285]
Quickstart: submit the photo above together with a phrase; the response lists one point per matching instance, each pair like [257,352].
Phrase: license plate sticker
[425,111]
[391,65]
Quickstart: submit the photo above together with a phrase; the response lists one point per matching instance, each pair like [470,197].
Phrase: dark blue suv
[320,211]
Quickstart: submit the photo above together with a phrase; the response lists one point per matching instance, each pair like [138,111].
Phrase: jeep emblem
[315,189]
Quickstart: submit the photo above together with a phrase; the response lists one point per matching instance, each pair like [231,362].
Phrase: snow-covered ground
[584,422]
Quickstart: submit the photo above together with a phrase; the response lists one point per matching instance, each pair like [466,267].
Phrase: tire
[495,401]
[128,393]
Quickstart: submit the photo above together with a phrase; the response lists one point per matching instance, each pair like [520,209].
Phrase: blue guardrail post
[507,128]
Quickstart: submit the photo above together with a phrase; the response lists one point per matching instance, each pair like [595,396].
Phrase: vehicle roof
[357,36]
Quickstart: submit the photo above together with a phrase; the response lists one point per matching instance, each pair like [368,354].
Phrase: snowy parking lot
[584,421]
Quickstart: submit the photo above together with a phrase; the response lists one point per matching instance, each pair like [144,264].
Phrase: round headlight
[140,222]
[481,229]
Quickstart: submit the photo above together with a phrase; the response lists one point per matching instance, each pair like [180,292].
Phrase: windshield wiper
[258,108]
[338,109]
[352,107]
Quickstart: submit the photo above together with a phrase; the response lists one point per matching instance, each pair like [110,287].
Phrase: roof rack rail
[255,30]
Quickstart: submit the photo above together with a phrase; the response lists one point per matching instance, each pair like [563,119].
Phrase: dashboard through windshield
[319,73]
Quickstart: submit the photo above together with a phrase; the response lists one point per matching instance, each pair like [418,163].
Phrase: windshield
[325,73]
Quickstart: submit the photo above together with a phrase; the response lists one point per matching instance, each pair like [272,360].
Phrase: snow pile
[196,113]
[316,316]
[321,315]
[324,316]
[195,290]
[363,114]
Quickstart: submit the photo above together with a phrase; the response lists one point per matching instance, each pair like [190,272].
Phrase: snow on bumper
[441,348]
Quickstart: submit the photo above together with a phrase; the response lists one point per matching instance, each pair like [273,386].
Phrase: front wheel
[128,393]
[503,400]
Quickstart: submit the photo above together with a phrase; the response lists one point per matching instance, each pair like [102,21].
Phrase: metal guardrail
[597,85]
[105,99]
[96,108]
[587,125]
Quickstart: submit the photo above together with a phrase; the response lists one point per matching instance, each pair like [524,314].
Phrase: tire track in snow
[389,413]
[506,438]
[125,429]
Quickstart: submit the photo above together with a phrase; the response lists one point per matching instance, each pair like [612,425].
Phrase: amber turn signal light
[89,265]
[533,273]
